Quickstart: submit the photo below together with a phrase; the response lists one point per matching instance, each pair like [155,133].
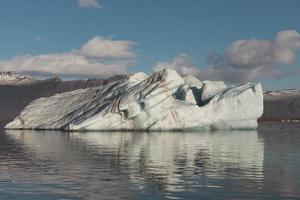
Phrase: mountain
[281,105]
[162,101]
[14,97]
[12,78]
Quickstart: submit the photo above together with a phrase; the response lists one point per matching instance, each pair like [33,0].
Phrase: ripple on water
[124,165]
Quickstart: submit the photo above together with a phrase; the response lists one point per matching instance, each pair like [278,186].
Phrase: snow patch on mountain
[12,78]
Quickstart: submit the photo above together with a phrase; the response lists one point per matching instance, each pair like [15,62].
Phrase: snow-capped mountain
[12,78]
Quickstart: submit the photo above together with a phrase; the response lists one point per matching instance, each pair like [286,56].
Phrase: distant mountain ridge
[281,105]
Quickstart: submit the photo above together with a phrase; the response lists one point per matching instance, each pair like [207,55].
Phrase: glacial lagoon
[256,164]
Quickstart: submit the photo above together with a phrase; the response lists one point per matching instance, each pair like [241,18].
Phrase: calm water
[263,164]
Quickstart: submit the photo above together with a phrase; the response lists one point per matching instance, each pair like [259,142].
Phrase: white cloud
[245,60]
[181,63]
[89,4]
[99,47]
[263,52]
[98,57]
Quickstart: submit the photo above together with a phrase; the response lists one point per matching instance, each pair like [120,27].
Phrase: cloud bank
[99,57]
[89,4]
[181,63]
[244,60]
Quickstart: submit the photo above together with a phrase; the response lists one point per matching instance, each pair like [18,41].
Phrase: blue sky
[158,31]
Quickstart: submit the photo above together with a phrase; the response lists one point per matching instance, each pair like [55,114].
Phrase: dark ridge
[281,105]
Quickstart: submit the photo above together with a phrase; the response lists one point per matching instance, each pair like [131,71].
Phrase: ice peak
[192,81]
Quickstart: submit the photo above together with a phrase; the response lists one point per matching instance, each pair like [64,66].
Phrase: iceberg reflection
[168,159]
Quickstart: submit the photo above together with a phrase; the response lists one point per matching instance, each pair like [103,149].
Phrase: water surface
[263,164]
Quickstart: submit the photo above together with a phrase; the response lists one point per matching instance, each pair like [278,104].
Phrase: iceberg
[161,101]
